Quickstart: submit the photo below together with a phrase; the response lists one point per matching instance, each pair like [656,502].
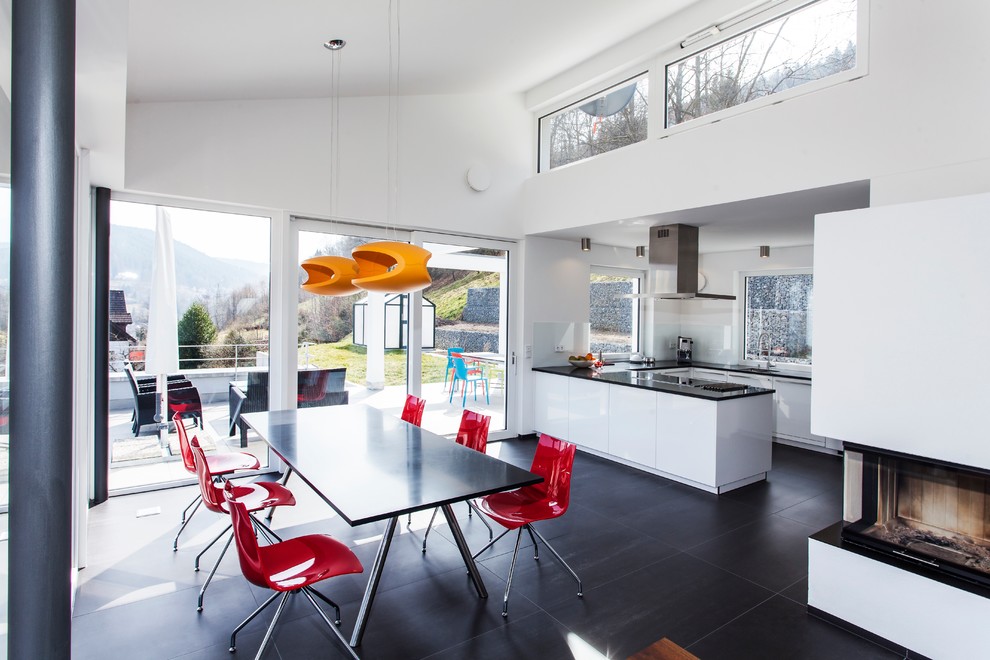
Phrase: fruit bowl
[580,362]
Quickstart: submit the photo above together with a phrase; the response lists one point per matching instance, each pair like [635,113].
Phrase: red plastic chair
[412,412]
[519,509]
[473,434]
[312,387]
[288,567]
[254,496]
[218,465]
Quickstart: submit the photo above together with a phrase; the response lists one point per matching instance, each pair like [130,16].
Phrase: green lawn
[346,354]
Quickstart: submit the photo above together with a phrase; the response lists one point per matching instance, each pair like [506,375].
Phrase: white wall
[715,324]
[920,107]
[900,329]
[555,291]
[275,154]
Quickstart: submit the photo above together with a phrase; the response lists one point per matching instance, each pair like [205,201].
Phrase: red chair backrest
[554,461]
[211,498]
[473,432]
[312,387]
[412,412]
[187,455]
[247,543]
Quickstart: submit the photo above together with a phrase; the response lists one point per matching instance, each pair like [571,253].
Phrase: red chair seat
[223,464]
[520,507]
[305,560]
[258,496]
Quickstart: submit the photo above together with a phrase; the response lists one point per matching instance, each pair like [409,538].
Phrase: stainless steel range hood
[674,248]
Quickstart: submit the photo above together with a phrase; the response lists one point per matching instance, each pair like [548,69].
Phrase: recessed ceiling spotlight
[334,44]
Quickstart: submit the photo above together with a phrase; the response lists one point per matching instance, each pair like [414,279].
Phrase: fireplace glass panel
[932,513]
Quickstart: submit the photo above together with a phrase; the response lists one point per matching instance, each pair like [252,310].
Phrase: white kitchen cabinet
[686,437]
[794,411]
[550,402]
[632,424]
[709,374]
[588,413]
[677,371]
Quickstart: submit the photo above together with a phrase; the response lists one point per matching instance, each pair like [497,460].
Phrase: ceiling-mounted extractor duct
[674,249]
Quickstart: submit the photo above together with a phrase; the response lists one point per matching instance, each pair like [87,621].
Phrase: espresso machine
[685,347]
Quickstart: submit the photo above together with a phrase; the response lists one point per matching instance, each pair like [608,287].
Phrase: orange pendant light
[330,276]
[391,267]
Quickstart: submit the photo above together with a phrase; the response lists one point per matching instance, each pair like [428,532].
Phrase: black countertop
[639,378]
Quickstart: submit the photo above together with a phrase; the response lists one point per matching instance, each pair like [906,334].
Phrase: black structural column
[101,336]
[41,271]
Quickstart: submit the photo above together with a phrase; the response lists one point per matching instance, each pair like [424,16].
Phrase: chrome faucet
[760,350]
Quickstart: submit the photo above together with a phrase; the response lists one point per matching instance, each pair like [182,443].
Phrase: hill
[198,275]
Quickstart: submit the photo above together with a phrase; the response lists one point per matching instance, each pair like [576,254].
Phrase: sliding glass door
[221,286]
[364,334]
[390,345]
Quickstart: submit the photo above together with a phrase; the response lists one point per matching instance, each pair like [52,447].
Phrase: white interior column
[374,337]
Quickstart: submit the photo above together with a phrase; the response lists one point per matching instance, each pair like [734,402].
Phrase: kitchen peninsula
[687,430]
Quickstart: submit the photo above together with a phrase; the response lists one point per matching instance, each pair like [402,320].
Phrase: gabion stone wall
[482,306]
[609,313]
[469,340]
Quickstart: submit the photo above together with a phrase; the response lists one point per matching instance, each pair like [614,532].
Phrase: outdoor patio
[138,462]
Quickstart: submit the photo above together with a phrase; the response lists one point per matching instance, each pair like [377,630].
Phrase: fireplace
[927,513]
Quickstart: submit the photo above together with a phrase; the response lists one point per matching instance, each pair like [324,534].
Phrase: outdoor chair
[310,394]
[181,392]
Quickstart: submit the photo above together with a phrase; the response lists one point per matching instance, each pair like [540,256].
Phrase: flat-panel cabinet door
[588,413]
[794,411]
[550,407]
[686,430]
[632,424]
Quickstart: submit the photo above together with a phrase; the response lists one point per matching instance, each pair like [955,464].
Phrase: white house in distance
[237,118]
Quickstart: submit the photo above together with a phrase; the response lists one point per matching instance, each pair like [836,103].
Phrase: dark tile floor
[724,577]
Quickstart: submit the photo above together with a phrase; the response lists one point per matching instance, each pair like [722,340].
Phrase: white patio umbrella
[162,351]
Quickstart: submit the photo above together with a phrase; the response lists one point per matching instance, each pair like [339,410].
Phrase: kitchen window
[808,44]
[777,317]
[607,120]
[615,327]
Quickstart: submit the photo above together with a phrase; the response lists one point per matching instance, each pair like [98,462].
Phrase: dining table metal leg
[455,530]
[373,579]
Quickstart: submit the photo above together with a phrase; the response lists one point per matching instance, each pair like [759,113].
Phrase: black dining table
[370,466]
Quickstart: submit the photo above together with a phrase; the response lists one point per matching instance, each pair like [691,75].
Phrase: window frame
[772,13]
[740,324]
[638,315]
[543,139]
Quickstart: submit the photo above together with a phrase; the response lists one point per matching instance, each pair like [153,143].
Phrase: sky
[223,235]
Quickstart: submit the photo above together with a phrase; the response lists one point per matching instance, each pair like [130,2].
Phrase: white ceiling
[183,50]
[784,220]
[196,50]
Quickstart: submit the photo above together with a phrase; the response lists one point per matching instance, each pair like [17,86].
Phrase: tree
[196,329]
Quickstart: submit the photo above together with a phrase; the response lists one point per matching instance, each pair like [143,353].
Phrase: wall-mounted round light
[764,252]
[586,245]
[640,251]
